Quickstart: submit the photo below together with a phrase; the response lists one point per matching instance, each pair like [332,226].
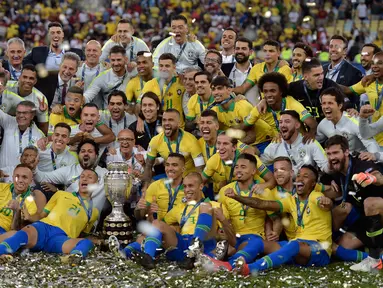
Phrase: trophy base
[121,229]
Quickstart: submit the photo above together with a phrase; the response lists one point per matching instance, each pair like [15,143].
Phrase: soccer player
[220,166]
[274,87]
[209,128]
[301,52]
[17,196]
[311,211]
[190,89]
[203,99]
[168,87]
[173,139]
[340,123]
[57,228]
[360,188]
[24,87]
[197,228]
[272,50]
[292,145]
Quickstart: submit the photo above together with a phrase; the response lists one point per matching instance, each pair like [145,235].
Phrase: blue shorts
[2,230]
[49,238]
[183,243]
[247,238]
[262,146]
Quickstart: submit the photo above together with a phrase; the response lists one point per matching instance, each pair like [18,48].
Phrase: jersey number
[313,111]
[75,209]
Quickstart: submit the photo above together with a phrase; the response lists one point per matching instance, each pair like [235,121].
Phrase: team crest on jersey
[308,210]
[179,92]
[191,54]
[237,120]
[302,153]
[345,135]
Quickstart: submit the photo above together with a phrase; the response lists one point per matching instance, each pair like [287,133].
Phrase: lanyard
[233,166]
[147,129]
[22,196]
[208,151]
[178,143]
[288,153]
[184,217]
[83,71]
[166,90]
[172,197]
[53,158]
[110,122]
[141,83]
[88,210]
[297,77]
[201,103]
[281,190]
[21,139]
[182,50]
[235,79]
[308,95]
[220,103]
[380,96]
[238,190]
[13,73]
[344,186]
[276,68]
[131,53]
[299,212]
[333,72]
[275,114]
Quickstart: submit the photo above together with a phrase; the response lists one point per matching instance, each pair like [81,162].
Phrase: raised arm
[254,202]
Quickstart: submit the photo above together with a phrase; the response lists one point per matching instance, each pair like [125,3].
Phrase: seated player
[197,228]
[57,228]
[16,196]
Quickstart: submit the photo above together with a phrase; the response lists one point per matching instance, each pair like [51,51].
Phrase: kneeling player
[56,229]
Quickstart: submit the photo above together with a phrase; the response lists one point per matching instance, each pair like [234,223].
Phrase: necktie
[63,93]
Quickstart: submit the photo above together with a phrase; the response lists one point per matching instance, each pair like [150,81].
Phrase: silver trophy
[118,183]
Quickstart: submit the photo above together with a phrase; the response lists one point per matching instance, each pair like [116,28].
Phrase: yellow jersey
[64,117]
[170,94]
[218,171]
[373,90]
[186,216]
[272,117]
[186,144]
[134,89]
[245,220]
[260,69]
[196,105]
[160,191]
[316,223]
[66,212]
[6,214]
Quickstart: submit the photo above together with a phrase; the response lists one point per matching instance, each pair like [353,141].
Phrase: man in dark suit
[15,53]
[340,70]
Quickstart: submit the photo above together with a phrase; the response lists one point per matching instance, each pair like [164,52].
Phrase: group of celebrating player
[238,166]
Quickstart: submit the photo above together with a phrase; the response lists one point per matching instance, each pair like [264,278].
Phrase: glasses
[211,60]
[125,139]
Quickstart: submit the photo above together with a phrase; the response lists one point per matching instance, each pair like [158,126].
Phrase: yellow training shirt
[373,90]
[6,214]
[66,212]
[196,105]
[188,146]
[260,69]
[316,223]
[159,190]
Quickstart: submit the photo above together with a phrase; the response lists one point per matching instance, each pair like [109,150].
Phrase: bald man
[92,66]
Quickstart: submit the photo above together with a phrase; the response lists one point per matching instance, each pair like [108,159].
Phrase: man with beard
[145,74]
[272,50]
[203,99]
[213,62]
[340,123]
[112,79]
[69,176]
[21,132]
[24,87]
[232,113]
[92,66]
[292,145]
[186,52]
[173,139]
[374,92]
[90,118]
[301,52]
[307,91]
[57,228]
[310,210]
[190,89]
[151,114]
[168,87]
[115,117]
[238,70]
[361,207]
[228,39]
[15,52]
[220,166]
[125,39]
[274,88]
